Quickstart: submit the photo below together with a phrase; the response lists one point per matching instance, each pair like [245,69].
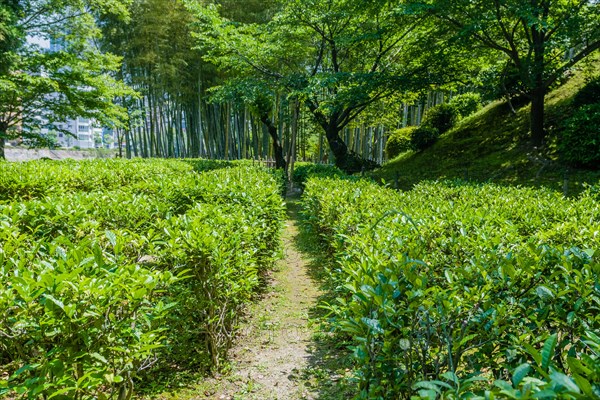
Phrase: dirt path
[281,352]
[272,357]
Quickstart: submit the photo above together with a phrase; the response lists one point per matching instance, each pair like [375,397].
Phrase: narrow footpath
[282,350]
[276,352]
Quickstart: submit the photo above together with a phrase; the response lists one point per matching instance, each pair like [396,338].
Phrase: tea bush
[424,137]
[455,285]
[441,117]
[579,139]
[78,318]
[399,142]
[34,179]
[305,170]
[103,281]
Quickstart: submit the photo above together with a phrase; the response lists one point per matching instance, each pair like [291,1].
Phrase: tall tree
[11,39]
[542,38]
[40,88]
[260,98]
[337,56]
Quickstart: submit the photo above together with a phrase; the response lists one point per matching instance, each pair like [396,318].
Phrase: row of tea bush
[453,290]
[112,269]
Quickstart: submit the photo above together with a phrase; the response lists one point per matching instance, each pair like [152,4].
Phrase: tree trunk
[127,144]
[277,148]
[227,128]
[119,140]
[537,117]
[291,160]
[345,159]
[3,129]
[337,146]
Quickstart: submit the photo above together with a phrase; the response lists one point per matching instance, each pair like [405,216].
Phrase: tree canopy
[40,88]
[228,79]
[542,39]
[337,57]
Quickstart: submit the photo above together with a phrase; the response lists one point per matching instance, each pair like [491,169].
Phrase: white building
[84,133]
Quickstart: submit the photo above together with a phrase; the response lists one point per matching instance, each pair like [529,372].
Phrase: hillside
[492,145]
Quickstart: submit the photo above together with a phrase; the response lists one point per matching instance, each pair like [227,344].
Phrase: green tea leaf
[565,382]
[519,373]
[548,351]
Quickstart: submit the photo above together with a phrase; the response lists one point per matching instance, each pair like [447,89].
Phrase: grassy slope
[492,145]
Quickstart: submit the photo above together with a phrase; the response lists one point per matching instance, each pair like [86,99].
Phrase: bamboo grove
[178,112]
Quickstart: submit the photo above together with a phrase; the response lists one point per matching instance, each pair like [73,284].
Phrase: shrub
[202,165]
[110,267]
[579,141]
[453,279]
[466,104]
[399,142]
[83,320]
[424,137]
[555,383]
[305,170]
[442,117]
[589,94]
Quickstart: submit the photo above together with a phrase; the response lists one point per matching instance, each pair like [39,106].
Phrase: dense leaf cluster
[305,170]
[441,117]
[466,104]
[464,291]
[399,142]
[579,139]
[424,137]
[111,268]
[436,121]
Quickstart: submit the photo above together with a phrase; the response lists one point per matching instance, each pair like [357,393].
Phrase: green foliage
[579,140]
[40,89]
[201,165]
[23,181]
[336,57]
[589,94]
[10,35]
[441,117]
[113,268]
[499,81]
[466,104]
[304,170]
[452,285]
[399,142]
[83,318]
[554,382]
[530,35]
[424,137]
[492,145]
